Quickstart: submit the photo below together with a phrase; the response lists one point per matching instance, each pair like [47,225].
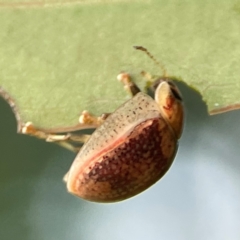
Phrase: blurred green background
[199,198]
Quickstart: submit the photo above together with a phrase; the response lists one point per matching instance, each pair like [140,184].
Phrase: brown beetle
[132,148]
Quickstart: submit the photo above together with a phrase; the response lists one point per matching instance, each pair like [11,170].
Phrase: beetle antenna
[153,58]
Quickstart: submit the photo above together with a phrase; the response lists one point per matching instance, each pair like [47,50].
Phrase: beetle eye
[176,93]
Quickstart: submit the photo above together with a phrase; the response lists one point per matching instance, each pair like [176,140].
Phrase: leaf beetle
[132,148]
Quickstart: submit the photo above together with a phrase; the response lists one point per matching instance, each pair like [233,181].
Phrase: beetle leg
[64,136]
[69,146]
[129,85]
[89,119]
[67,140]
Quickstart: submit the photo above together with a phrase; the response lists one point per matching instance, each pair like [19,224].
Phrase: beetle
[132,148]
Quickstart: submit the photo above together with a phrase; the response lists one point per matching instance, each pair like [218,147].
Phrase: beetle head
[169,99]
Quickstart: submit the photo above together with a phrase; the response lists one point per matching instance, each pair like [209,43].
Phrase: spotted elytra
[131,148]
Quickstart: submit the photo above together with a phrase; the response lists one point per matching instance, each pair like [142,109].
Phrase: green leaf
[59,58]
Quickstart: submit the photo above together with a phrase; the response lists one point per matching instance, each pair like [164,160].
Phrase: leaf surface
[59,58]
